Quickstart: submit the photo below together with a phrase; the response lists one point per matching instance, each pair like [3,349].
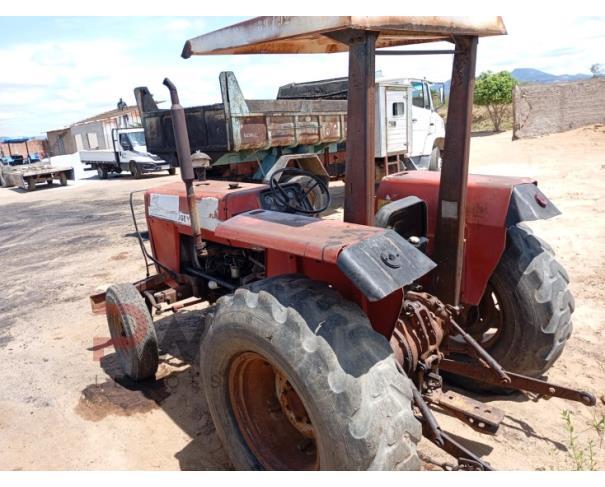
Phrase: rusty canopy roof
[292,35]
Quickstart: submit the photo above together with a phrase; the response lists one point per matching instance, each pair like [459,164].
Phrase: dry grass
[481,120]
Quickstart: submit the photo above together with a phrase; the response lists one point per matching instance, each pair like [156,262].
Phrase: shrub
[495,92]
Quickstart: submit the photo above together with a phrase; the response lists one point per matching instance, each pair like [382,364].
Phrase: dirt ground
[60,408]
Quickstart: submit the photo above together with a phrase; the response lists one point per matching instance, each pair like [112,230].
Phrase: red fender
[488,200]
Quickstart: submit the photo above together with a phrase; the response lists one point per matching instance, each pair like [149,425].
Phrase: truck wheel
[132,331]
[296,379]
[102,172]
[31,184]
[172,171]
[435,162]
[49,181]
[63,179]
[135,170]
[524,318]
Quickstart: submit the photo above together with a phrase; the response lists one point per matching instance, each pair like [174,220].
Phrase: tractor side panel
[488,201]
[166,249]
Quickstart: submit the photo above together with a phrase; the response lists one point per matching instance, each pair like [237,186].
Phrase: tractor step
[479,416]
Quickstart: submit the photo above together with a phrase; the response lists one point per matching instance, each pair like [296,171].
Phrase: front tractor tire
[524,318]
[132,331]
[296,379]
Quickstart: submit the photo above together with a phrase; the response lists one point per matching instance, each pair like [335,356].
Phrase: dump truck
[244,138]
[128,153]
[327,343]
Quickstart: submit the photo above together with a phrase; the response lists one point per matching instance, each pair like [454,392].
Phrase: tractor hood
[377,261]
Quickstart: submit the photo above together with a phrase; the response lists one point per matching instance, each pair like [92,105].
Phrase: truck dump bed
[239,125]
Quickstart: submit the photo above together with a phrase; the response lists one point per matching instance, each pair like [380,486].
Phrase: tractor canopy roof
[298,35]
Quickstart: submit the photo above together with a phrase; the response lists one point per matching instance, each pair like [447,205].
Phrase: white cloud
[65,81]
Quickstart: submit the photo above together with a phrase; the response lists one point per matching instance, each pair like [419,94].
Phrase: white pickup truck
[128,153]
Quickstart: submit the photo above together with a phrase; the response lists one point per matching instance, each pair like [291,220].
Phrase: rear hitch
[420,334]
[520,382]
[431,430]
[483,418]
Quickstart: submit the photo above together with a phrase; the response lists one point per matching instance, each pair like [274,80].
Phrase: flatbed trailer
[28,176]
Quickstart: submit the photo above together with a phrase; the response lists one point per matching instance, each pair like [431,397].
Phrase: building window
[93,142]
[79,142]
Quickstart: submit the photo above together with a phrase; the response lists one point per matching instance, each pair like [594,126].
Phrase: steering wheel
[319,203]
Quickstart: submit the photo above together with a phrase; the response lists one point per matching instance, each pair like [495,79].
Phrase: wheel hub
[292,406]
[271,417]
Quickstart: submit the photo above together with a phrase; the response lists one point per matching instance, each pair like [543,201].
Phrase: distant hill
[530,75]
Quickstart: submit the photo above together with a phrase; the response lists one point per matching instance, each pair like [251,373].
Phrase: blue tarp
[16,141]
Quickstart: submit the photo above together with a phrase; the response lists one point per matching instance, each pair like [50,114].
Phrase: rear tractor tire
[132,331]
[296,379]
[524,318]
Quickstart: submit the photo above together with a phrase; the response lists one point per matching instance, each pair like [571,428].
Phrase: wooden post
[360,166]
[449,235]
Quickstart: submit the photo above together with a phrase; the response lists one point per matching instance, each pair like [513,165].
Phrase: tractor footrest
[482,417]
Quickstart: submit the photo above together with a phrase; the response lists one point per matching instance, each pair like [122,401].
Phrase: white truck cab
[427,126]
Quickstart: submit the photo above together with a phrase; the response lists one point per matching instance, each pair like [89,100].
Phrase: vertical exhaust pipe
[183,149]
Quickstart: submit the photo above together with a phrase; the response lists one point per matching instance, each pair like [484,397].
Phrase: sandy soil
[60,408]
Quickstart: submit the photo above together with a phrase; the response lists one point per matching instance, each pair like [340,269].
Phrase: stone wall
[541,109]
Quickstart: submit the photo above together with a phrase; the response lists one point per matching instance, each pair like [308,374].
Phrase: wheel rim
[270,415]
[121,340]
[486,321]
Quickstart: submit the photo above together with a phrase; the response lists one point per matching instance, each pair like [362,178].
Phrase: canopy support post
[360,166]
[449,235]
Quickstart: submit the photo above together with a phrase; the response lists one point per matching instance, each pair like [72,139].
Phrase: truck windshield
[137,138]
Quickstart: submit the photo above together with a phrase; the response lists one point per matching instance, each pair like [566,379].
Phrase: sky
[65,69]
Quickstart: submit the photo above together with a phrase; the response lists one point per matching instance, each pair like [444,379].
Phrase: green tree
[597,70]
[495,92]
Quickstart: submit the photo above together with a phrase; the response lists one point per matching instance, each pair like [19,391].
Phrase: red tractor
[326,340]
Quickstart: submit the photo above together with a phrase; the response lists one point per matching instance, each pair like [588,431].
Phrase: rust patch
[120,398]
